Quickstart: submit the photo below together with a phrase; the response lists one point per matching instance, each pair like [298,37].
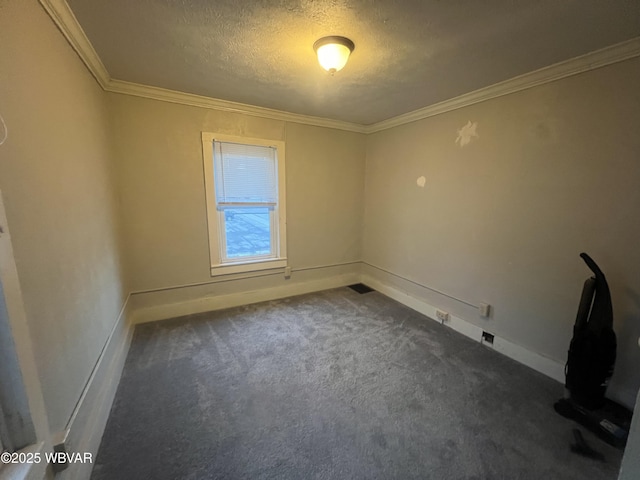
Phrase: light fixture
[333,52]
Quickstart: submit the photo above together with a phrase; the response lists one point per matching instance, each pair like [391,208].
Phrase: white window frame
[25,395]
[219,263]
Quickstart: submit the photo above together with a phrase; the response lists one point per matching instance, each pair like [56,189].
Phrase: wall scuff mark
[5,130]
[466,133]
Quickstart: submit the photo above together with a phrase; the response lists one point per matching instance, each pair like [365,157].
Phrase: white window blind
[245,174]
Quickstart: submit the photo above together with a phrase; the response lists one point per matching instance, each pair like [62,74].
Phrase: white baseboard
[623,395]
[89,418]
[423,307]
[163,311]
[540,363]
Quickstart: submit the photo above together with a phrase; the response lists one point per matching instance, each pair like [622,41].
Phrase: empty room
[349,239]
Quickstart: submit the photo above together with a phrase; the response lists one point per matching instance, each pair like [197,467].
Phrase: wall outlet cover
[485,310]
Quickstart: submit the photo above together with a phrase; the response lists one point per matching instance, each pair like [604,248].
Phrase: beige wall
[555,171]
[161,185]
[55,176]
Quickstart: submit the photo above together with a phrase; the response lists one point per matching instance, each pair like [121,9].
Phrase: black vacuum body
[590,363]
[592,352]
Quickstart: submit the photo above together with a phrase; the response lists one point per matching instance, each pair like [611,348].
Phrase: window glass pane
[248,231]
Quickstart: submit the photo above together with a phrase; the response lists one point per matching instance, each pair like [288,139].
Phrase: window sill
[253,266]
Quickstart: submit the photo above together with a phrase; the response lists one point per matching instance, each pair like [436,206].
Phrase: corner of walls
[118,212]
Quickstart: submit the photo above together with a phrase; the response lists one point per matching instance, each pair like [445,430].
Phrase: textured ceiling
[409,53]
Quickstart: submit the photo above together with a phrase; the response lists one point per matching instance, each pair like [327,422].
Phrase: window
[244,180]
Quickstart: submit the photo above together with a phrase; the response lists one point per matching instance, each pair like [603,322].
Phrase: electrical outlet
[442,316]
[485,310]
[287,272]
[487,338]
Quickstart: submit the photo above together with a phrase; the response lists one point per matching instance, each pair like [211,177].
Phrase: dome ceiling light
[333,52]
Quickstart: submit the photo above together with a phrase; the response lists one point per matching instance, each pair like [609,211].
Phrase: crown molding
[61,14]
[64,18]
[584,63]
[66,21]
[173,96]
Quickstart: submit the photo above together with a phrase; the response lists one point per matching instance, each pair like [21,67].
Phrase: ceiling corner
[66,21]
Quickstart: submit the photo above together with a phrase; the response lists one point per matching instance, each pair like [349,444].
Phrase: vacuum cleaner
[590,364]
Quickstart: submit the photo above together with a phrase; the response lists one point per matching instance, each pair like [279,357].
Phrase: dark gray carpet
[332,385]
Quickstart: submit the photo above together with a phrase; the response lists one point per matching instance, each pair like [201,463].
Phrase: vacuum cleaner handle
[592,265]
[586,299]
[601,315]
